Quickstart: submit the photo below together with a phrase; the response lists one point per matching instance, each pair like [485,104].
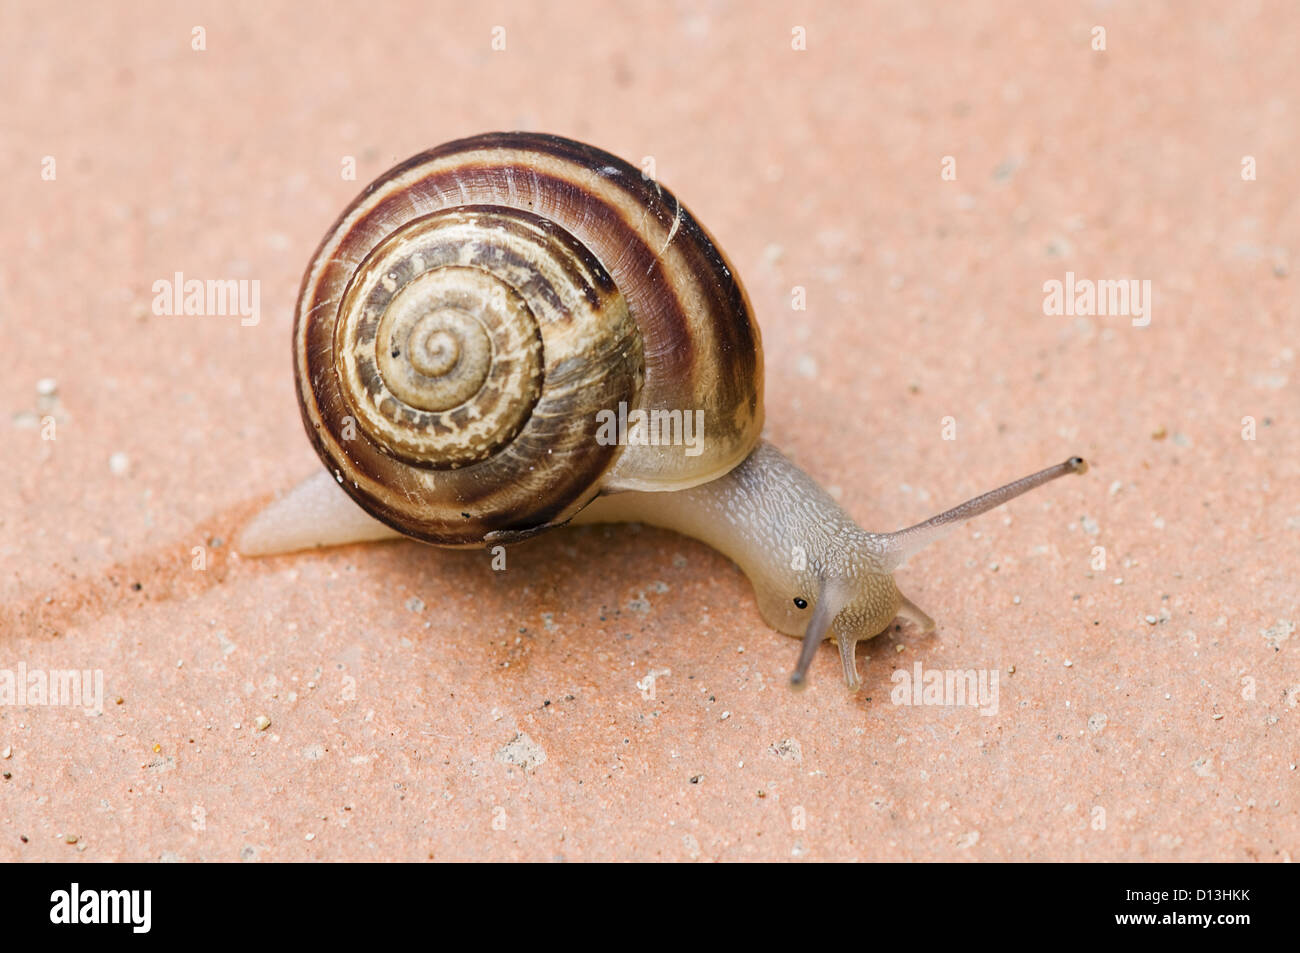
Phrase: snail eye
[800,603]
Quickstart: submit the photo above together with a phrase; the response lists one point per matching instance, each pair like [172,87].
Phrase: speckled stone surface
[420,704]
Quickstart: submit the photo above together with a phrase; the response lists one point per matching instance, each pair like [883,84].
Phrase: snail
[514,332]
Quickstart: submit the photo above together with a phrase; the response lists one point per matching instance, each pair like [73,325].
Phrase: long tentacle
[902,545]
[824,614]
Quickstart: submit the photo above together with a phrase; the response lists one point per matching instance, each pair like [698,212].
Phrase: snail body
[475,319]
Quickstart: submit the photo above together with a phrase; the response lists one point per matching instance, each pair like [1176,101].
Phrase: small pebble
[261,723]
[1069,664]
[310,837]
[71,838]
[1011,670]
[1152,620]
[1015,600]
[119,463]
[1216,717]
[7,753]
[47,387]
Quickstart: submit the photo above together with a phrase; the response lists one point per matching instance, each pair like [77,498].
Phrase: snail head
[855,594]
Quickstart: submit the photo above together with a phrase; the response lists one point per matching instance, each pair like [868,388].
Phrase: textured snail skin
[789,537]
[794,542]
[468,318]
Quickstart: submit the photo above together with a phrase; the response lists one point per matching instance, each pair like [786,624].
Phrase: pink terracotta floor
[422,705]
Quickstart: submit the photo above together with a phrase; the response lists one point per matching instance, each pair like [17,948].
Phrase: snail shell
[469,315]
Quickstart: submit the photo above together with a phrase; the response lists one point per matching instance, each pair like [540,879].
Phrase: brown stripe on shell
[702,345]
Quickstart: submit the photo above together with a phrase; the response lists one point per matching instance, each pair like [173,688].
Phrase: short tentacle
[848,643]
[909,610]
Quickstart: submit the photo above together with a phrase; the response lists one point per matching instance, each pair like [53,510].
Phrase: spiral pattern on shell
[469,315]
